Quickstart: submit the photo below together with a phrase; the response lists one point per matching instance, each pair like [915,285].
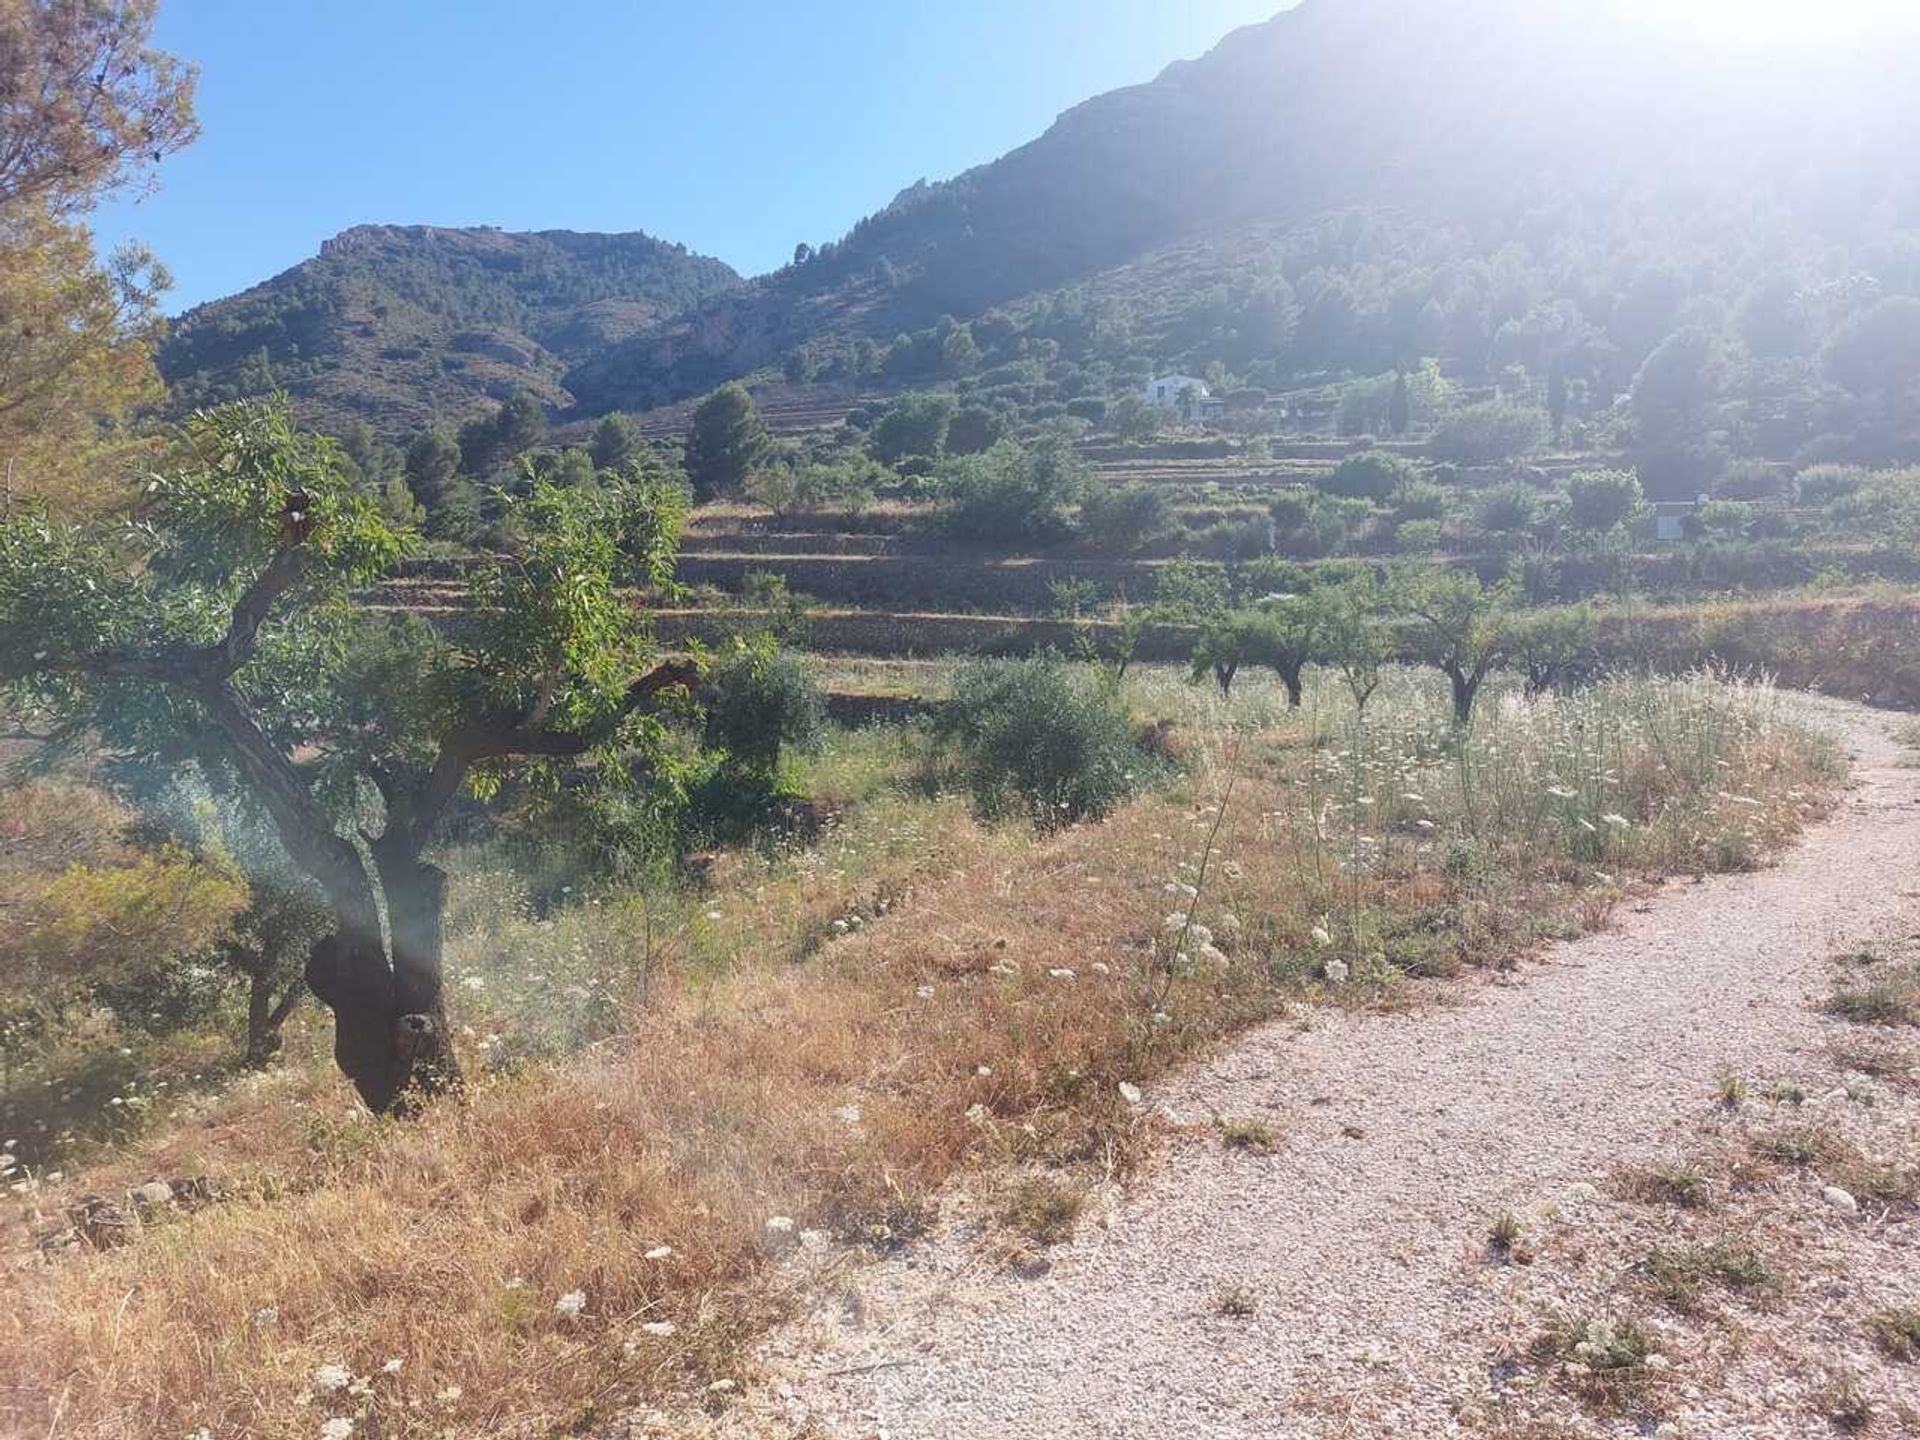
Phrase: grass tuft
[1680,1275]
[1043,1210]
[1665,1182]
[1897,1332]
[1252,1135]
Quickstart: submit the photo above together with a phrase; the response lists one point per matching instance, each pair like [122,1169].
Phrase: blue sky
[738,128]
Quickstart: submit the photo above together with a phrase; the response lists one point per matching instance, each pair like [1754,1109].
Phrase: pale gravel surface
[1376,1318]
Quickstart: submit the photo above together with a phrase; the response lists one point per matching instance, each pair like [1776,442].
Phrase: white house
[1179,393]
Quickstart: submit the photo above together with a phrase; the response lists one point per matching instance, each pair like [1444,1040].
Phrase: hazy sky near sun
[739,128]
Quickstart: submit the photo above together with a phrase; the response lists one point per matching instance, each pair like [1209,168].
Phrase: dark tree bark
[266,1018]
[1466,688]
[1291,676]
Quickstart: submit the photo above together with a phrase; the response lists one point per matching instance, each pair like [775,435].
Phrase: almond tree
[1458,626]
[220,626]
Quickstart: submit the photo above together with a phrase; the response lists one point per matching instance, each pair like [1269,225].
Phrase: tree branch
[287,568]
[465,747]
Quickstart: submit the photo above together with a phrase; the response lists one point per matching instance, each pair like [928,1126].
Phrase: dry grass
[1891,999]
[992,1015]
[1679,1183]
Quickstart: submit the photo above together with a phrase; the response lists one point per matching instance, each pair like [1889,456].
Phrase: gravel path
[1402,1136]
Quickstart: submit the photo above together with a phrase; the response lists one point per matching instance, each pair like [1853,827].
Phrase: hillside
[1423,151]
[1348,188]
[400,325]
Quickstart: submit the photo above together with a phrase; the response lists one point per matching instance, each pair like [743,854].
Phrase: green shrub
[1032,738]
[1012,492]
[1420,500]
[759,699]
[1508,509]
[1419,537]
[1490,433]
[1754,480]
[1120,519]
[1603,500]
[974,430]
[1823,484]
[914,425]
[1370,475]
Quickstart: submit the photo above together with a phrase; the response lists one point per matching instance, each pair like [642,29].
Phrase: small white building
[1179,393]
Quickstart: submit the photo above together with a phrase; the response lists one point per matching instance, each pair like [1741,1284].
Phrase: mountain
[1463,125]
[1350,188]
[399,326]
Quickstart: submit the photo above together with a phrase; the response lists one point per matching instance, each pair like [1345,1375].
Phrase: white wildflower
[331,1377]
[1322,936]
[570,1304]
[1215,956]
[1175,922]
[978,1114]
[850,1114]
[925,992]
[474,982]
[448,1395]
[983,1071]
[1335,971]
[269,1315]
[338,1428]
[780,1225]
[1202,936]
[1130,1093]
[659,1329]
[393,1366]
[660,1252]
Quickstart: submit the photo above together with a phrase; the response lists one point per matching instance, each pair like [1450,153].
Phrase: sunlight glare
[1771,22]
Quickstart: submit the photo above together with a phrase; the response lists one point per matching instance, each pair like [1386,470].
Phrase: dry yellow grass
[507,1251]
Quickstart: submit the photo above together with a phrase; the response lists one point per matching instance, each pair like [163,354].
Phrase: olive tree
[221,626]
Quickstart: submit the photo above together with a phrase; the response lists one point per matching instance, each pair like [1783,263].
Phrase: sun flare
[1746,22]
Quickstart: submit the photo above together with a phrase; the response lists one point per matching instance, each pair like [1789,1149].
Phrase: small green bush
[1031,737]
[1420,500]
[1120,519]
[1603,500]
[1821,485]
[1012,492]
[1489,434]
[1370,475]
[759,699]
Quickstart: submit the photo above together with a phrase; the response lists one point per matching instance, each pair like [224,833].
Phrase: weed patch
[1897,1332]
